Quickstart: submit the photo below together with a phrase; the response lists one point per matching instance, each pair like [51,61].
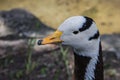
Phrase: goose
[80,33]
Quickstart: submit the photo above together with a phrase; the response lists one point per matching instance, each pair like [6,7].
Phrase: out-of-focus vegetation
[106,13]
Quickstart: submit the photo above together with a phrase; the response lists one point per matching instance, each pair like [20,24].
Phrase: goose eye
[75,32]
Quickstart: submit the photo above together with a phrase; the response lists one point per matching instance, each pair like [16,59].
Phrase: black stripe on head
[95,36]
[87,24]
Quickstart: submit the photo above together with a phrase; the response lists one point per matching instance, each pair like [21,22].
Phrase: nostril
[39,42]
[52,38]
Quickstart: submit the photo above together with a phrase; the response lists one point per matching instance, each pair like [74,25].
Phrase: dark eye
[84,25]
[75,32]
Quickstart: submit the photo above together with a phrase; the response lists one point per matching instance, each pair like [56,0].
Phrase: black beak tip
[39,42]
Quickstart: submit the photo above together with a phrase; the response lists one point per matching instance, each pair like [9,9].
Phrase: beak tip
[39,42]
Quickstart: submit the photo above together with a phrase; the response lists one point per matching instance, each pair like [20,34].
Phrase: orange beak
[51,39]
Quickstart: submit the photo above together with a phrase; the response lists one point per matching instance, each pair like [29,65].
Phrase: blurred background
[53,12]
[22,22]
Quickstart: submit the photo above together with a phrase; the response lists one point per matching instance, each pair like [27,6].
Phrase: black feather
[95,36]
[87,24]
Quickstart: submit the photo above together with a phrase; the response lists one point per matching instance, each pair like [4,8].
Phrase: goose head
[79,32]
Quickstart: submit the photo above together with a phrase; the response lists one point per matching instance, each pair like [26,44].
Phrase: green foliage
[56,75]
[29,64]
[37,25]
[65,59]
[43,71]
[19,74]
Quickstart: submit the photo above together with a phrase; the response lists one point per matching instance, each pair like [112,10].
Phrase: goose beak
[51,39]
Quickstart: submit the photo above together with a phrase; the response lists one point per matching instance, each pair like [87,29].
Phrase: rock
[4,31]
[16,27]
[111,43]
[12,47]
[22,23]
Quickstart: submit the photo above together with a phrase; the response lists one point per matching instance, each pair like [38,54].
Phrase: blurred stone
[22,23]
[4,31]
[16,27]
[13,47]
[111,43]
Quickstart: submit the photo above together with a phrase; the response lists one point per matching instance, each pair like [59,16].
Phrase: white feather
[80,42]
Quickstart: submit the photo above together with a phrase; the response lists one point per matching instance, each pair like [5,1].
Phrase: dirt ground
[47,66]
[50,66]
